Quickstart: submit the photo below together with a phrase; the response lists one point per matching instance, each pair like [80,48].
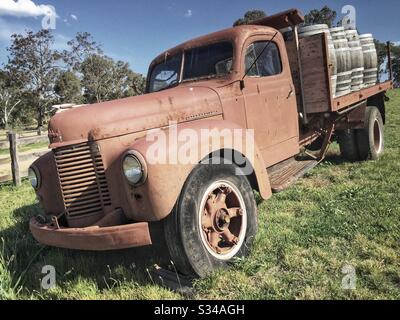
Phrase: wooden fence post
[12,138]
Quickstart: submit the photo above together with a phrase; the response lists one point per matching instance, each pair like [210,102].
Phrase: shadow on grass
[105,269]
[334,158]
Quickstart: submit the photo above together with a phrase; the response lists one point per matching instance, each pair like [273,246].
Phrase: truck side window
[268,64]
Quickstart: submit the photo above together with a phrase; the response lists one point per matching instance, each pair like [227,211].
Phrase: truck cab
[223,61]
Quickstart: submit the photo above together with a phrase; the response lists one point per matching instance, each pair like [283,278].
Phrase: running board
[286,173]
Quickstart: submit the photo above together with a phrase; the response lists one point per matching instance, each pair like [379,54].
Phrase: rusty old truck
[101,189]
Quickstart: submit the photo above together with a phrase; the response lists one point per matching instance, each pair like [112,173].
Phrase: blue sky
[136,31]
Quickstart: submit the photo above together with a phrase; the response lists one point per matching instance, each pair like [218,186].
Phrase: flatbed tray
[347,100]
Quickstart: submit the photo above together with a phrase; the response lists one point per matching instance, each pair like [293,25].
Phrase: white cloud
[188,13]
[74,17]
[24,8]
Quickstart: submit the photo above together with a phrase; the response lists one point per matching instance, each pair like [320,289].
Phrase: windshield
[165,74]
[208,61]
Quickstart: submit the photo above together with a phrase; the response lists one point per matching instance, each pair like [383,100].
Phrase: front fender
[180,153]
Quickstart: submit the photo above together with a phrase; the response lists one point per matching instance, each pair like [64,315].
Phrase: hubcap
[377,137]
[222,220]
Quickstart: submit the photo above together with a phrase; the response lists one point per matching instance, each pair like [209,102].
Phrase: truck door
[270,99]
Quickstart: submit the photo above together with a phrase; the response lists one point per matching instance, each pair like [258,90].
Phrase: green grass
[342,213]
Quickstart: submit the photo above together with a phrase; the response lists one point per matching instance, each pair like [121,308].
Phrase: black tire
[348,144]
[370,139]
[182,227]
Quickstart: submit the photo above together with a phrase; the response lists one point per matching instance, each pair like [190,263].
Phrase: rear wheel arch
[378,101]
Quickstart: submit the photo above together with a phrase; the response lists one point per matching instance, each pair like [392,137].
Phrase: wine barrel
[343,59]
[370,60]
[357,60]
[309,31]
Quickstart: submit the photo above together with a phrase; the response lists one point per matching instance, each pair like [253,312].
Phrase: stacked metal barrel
[353,58]
[370,60]
[357,60]
[343,60]
[358,57]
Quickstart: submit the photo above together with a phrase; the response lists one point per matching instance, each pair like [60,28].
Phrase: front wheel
[213,221]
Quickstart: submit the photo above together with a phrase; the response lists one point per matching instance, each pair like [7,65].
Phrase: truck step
[286,173]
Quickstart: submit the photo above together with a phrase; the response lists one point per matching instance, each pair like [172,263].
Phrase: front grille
[83,181]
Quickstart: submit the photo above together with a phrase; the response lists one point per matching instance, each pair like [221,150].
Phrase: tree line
[37,76]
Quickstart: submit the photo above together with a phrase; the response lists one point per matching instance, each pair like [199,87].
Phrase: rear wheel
[348,144]
[213,222]
[370,139]
[366,143]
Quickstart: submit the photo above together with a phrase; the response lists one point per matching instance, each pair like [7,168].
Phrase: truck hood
[134,114]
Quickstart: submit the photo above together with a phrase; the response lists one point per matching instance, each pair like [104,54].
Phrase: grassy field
[342,214]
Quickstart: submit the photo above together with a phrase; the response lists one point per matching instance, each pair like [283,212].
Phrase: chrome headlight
[34,177]
[133,168]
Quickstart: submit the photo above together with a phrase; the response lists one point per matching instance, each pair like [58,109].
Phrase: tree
[105,79]
[8,100]
[68,88]
[249,17]
[81,47]
[395,53]
[381,50]
[323,16]
[396,71]
[136,83]
[33,66]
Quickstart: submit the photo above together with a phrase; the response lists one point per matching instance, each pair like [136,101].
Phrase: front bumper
[94,238]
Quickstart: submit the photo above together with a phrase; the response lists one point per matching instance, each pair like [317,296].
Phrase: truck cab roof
[237,35]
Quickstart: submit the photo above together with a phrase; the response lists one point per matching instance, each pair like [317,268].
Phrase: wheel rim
[222,220]
[378,141]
